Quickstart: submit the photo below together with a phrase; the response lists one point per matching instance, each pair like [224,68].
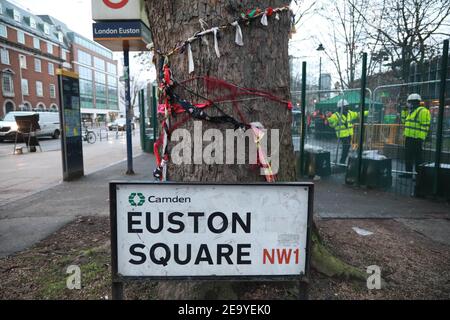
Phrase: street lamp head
[320,48]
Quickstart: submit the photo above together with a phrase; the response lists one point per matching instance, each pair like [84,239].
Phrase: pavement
[25,222]
[23,175]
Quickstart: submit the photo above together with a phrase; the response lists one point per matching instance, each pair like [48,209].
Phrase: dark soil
[413,267]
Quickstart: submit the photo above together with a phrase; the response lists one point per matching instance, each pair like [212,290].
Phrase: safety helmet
[414,97]
[342,103]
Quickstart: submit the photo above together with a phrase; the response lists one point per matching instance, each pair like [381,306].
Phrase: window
[112,81]
[23,61]
[86,93]
[112,68]
[25,90]
[63,54]
[49,48]
[60,36]
[39,89]
[17,16]
[7,84]
[1,9]
[51,69]
[4,56]
[36,43]
[37,65]
[20,37]
[85,73]
[84,58]
[46,28]
[52,91]
[99,64]
[3,31]
[32,23]
[100,77]
[94,47]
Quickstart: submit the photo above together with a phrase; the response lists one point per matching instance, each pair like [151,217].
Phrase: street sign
[103,10]
[210,231]
[117,35]
[70,118]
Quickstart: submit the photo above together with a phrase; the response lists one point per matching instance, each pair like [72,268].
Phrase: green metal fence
[377,151]
[148,117]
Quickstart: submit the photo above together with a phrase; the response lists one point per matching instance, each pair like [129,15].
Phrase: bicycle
[89,136]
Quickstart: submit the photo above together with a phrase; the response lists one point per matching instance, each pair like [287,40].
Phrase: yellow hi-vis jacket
[344,124]
[417,124]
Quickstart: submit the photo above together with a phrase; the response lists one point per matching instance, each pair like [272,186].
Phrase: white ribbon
[239,41]
[277,16]
[216,43]
[190,59]
[264,21]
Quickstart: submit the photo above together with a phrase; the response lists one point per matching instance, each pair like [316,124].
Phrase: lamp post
[320,49]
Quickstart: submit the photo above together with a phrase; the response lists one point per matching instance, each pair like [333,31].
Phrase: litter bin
[376,171]
[317,163]
[425,180]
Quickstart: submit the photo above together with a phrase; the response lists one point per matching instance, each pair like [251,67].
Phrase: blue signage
[121,30]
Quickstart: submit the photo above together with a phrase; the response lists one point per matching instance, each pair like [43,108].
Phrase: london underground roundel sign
[116,4]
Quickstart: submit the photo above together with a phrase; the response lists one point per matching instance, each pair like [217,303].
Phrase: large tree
[261,63]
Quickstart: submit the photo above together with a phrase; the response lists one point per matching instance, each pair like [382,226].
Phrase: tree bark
[262,63]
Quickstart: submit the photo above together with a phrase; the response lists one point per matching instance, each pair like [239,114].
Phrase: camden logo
[136,199]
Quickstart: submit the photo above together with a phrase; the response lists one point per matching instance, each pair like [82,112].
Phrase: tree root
[324,262]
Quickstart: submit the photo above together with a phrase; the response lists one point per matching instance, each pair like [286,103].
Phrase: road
[28,173]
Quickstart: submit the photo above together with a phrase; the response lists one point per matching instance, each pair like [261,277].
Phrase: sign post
[211,232]
[122,26]
[70,119]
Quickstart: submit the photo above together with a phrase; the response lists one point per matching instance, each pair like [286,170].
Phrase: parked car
[48,121]
[120,125]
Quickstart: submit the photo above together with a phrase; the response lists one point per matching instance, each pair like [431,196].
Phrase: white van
[48,121]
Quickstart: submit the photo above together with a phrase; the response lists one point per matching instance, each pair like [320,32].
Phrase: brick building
[32,48]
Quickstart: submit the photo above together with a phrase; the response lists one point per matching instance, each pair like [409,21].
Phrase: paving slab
[435,229]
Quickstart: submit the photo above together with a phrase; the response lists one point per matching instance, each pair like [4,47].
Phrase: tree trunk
[262,63]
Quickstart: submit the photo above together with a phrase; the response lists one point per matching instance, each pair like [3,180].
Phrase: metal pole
[154,113]
[361,122]
[126,62]
[303,125]
[142,117]
[440,124]
[320,76]
[117,291]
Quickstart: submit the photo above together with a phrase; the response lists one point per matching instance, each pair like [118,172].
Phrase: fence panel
[328,151]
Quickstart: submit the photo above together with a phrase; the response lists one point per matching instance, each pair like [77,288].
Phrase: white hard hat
[414,97]
[342,103]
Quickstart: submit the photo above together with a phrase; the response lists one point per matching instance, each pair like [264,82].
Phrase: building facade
[32,48]
[98,79]
[30,52]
